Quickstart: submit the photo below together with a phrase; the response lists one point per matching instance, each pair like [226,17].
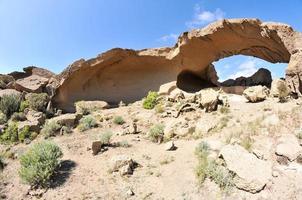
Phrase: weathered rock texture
[127,75]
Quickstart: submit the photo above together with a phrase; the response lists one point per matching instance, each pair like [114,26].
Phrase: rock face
[279,88]
[261,77]
[256,93]
[127,75]
[252,174]
[289,147]
[33,83]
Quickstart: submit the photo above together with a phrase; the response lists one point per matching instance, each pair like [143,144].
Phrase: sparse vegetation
[18,116]
[124,144]
[247,142]
[118,120]
[10,104]
[11,133]
[24,133]
[151,100]
[81,108]
[299,133]
[50,128]
[156,133]
[166,160]
[39,164]
[105,137]
[86,123]
[37,102]
[210,169]
[224,110]
[3,118]
[24,105]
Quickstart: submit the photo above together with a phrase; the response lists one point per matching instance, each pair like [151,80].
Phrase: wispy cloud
[247,68]
[172,37]
[202,17]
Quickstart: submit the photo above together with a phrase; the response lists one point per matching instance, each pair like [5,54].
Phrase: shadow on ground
[63,173]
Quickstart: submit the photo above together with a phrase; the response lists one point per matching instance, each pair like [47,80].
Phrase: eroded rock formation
[127,75]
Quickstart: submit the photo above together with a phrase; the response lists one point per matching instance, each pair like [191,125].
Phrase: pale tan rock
[33,83]
[85,107]
[252,174]
[209,99]
[256,93]
[279,88]
[69,120]
[288,146]
[127,75]
[167,88]
[6,92]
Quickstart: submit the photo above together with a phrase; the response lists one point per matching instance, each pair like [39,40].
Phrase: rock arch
[123,74]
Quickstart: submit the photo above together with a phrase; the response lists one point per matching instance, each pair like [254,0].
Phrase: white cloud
[203,17]
[247,68]
[171,37]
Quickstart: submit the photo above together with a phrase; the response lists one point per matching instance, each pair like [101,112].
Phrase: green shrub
[210,169]
[50,128]
[17,117]
[87,123]
[37,102]
[11,133]
[156,133]
[24,105]
[33,135]
[10,104]
[3,118]
[105,137]
[247,143]
[124,144]
[118,120]
[151,100]
[39,164]
[24,133]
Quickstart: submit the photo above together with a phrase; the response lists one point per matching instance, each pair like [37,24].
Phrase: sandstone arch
[123,74]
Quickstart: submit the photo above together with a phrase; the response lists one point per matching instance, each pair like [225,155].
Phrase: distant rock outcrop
[261,77]
[127,75]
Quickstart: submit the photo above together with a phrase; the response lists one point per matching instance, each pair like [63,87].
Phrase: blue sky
[54,33]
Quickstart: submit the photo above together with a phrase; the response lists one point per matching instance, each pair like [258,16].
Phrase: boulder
[178,127]
[33,84]
[256,93]
[170,146]
[32,115]
[205,124]
[252,174]
[34,126]
[5,80]
[279,88]
[209,99]
[167,88]
[123,164]
[96,147]
[34,121]
[288,146]
[85,107]
[69,120]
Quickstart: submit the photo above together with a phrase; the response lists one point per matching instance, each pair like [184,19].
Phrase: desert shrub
[221,176]
[156,133]
[207,168]
[247,142]
[50,128]
[23,105]
[11,133]
[37,102]
[10,104]
[224,110]
[18,117]
[33,135]
[81,108]
[118,120]
[151,100]
[105,137]
[39,164]
[87,123]
[159,108]
[3,118]
[124,144]
[66,130]
[24,133]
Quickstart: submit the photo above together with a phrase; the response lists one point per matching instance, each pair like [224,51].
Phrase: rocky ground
[258,142]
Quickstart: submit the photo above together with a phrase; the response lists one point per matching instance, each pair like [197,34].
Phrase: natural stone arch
[122,74]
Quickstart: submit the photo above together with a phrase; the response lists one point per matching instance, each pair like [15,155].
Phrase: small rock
[96,147]
[256,93]
[170,146]
[129,193]
[123,164]
[275,174]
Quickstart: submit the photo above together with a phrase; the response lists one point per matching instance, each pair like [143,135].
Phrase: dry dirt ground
[161,174]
